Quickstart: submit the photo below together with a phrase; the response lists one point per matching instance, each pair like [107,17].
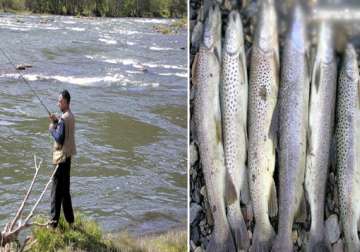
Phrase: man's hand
[51,126]
[53,118]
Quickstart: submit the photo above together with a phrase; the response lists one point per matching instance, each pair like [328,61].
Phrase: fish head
[326,42]
[234,34]
[212,27]
[266,30]
[297,34]
[350,62]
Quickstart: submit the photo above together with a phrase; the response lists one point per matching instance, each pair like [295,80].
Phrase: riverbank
[86,235]
[101,8]
[174,27]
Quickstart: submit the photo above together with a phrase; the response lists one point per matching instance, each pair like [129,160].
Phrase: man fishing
[62,130]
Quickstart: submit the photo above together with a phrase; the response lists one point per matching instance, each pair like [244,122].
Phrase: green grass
[86,235]
[172,241]
[179,24]
[173,28]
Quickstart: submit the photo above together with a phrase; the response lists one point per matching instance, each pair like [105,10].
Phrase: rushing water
[128,86]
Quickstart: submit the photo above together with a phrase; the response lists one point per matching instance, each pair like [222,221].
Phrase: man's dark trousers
[60,194]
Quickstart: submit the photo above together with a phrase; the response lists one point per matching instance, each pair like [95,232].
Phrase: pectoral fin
[194,69]
[273,205]
[244,190]
[301,213]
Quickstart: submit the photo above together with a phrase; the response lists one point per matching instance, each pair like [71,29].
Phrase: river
[129,90]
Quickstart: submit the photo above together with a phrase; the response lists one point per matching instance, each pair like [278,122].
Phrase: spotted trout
[348,148]
[234,93]
[207,116]
[263,93]
[293,123]
[320,134]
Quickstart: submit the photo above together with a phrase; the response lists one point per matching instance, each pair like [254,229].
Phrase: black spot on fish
[253,177]
[263,93]
[349,118]
[211,75]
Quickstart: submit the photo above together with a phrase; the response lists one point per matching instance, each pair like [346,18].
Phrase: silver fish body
[293,121]
[348,148]
[263,93]
[320,133]
[207,117]
[234,97]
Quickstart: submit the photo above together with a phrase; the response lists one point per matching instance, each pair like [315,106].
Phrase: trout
[263,93]
[234,92]
[348,148]
[293,123]
[207,117]
[320,134]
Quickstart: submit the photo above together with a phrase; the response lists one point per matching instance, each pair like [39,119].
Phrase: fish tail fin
[238,226]
[262,241]
[244,190]
[219,243]
[302,211]
[282,244]
[315,245]
[350,228]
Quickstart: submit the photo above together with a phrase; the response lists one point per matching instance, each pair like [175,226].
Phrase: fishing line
[31,88]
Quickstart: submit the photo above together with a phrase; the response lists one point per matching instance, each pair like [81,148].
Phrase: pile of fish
[275,136]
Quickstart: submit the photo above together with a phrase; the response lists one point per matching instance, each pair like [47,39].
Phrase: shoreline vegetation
[98,8]
[86,235]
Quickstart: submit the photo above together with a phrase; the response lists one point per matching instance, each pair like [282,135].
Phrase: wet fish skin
[320,134]
[348,148]
[293,121]
[263,93]
[234,92]
[207,117]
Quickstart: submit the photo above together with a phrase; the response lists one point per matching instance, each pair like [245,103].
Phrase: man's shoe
[51,225]
[72,226]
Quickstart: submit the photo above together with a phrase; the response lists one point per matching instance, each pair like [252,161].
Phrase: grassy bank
[173,28]
[86,235]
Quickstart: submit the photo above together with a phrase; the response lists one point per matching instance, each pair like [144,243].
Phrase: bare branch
[30,245]
[20,210]
[10,233]
[41,195]
[24,244]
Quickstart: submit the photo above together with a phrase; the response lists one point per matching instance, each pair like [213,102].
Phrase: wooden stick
[9,234]
[25,224]
[20,210]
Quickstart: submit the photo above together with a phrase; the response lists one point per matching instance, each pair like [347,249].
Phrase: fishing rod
[31,88]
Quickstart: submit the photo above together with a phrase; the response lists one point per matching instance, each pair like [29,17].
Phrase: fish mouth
[233,36]
[264,45]
[297,34]
[350,62]
[267,28]
[327,47]
[211,24]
